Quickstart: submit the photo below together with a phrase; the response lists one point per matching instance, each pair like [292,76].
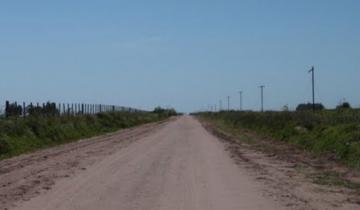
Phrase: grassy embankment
[332,133]
[20,135]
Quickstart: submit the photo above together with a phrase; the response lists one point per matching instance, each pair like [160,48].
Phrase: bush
[4,145]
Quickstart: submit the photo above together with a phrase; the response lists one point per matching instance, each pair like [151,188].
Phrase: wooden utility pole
[262,97]
[312,70]
[240,106]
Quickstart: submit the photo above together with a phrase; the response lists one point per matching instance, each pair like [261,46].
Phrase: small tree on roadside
[344,105]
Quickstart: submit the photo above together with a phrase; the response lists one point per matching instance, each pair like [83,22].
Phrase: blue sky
[184,54]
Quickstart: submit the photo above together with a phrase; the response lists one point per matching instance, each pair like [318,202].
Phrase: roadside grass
[334,134]
[270,139]
[235,132]
[21,135]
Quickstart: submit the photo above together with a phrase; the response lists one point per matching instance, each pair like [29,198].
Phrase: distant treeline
[33,126]
[166,112]
[14,109]
[309,106]
[319,106]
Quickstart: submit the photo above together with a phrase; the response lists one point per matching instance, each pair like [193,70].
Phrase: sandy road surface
[178,166]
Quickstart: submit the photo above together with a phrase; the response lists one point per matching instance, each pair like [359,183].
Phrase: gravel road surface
[167,166]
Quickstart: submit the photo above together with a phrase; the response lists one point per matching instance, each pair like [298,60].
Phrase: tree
[344,105]
[12,109]
[47,109]
[309,106]
[165,112]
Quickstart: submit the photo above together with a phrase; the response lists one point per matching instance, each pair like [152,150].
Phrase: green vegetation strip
[332,133]
[20,135]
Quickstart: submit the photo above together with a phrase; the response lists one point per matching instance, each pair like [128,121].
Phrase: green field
[20,135]
[333,133]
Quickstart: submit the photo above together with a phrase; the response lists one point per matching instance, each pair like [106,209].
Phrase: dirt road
[169,166]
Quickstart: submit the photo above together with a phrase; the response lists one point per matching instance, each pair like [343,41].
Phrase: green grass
[21,135]
[332,133]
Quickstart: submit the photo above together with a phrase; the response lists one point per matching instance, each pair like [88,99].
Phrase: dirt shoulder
[26,176]
[294,177]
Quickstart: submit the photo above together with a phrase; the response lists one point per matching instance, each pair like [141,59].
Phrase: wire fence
[23,109]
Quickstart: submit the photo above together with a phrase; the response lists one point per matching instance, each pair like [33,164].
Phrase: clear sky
[185,54]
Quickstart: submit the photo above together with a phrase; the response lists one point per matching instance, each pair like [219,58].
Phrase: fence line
[49,108]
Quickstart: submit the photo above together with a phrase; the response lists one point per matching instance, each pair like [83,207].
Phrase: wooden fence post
[24,109]
[7,104]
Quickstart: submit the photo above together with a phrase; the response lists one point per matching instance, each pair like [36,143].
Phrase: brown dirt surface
[173,165]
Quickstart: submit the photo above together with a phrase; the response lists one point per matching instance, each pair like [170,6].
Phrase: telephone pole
[312,70]
[228,100]
[240,93]
[262,97]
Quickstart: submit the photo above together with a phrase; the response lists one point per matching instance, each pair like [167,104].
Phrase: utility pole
[240,93]
[312,70]
[220,105]
[228,100]
[262,97]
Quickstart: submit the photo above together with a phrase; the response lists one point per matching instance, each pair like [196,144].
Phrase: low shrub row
[334,133]
[19,135]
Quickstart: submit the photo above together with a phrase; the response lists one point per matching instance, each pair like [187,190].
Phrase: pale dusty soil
[168,166]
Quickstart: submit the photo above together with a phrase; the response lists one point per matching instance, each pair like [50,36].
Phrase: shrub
[4,145]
